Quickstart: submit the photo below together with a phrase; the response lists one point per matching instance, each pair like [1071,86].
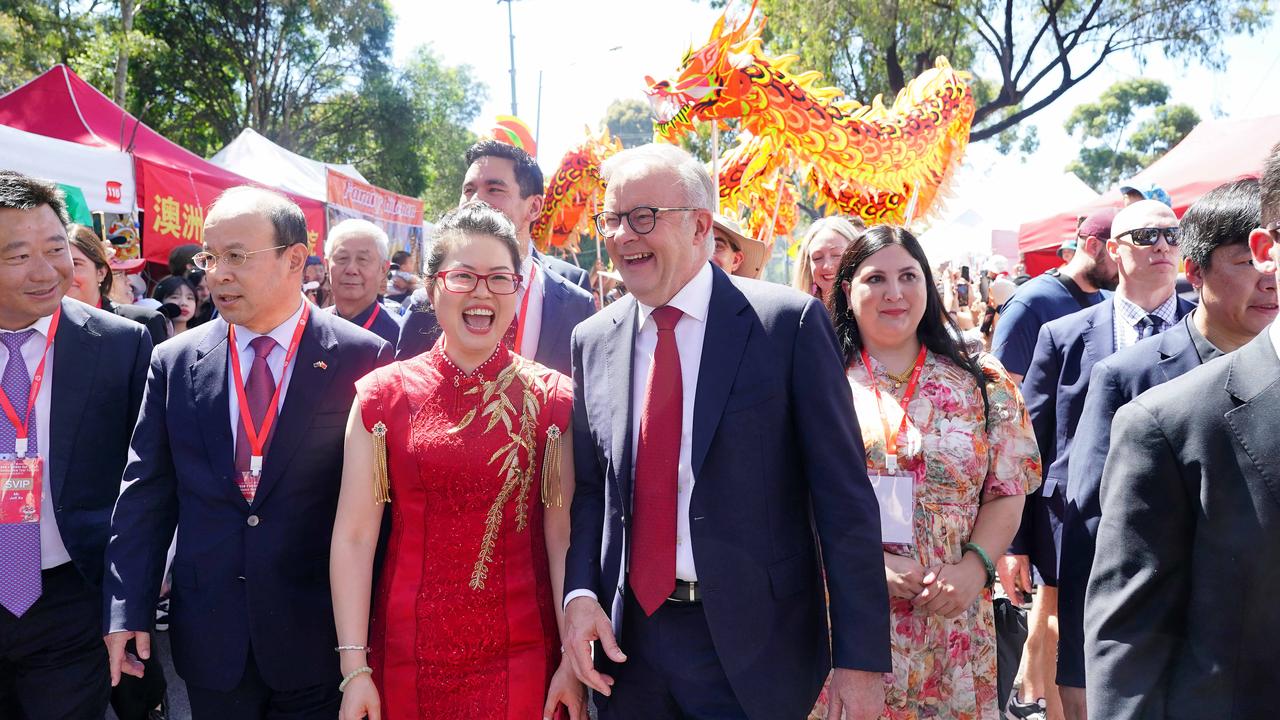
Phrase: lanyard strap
[891,440]
[372,316]
[258,437]
[524,306]
[20,424]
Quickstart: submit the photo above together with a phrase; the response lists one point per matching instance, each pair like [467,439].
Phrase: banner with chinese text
[174,201]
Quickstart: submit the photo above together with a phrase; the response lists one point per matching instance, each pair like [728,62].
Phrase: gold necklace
[899,379]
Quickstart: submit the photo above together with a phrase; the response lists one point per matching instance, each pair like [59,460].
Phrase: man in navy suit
[51,655]
[355,253]
[1237,303]
[1143,243]
[252,492]
[550,305]
[713,434]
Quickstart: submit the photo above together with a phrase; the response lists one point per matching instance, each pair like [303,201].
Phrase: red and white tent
[174,185]
[1215,152]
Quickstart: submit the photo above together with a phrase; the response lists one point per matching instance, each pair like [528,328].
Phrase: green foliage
[630,121]
[1129,127]
[1024,55]
[36,34]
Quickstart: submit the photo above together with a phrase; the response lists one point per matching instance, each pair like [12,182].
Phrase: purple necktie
[19,543]
[258,390]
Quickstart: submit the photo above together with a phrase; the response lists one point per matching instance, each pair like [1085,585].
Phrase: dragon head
[709,82]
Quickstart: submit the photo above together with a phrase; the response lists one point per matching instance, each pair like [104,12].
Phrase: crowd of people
[497,497]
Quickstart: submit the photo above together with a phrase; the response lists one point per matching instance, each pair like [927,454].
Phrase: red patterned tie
[653,553]
[258,390]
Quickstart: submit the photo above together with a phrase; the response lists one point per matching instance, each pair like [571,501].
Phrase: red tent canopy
[1215,152]
[175,185]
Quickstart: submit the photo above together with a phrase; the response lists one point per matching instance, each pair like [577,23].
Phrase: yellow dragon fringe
[572,191]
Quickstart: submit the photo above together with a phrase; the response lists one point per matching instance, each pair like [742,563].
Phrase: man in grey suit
[1236,303]
[551,303]
[1180,613]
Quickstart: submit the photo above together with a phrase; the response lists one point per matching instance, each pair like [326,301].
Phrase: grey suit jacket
[1181,616]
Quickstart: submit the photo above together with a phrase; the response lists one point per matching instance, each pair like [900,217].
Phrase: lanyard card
[20,480]
[896,494]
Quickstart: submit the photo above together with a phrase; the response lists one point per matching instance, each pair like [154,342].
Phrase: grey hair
[692,176]
[358,226]
[470,218]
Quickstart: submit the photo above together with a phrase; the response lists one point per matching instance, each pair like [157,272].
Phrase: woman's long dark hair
[937,330]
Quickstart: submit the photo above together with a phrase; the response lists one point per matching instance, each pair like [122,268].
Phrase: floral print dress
[946,668]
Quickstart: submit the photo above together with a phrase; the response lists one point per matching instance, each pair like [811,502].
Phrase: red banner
[174,202]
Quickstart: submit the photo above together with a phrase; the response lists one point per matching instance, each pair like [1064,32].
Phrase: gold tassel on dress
[551,496]
[381,483]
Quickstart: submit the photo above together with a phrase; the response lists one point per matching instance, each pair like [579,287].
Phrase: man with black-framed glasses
[239,446]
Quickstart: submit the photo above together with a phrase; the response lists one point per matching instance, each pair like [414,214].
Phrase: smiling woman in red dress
[471,443]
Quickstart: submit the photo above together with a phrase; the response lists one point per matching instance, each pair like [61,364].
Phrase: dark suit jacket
[156,324]
[99,370]
[564,305]
[245,575]
[567,270]
[1113,382]
[1181,612]
[774,440]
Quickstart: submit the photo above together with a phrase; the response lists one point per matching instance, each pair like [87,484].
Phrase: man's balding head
[1143,214]
[285,216]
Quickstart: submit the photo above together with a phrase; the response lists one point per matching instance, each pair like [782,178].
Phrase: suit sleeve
[582,565]
[157,328]
[1080,525]
[138,376]
[1040,392]
[844,505]
[1015,337]
[1136,603]
[145,516]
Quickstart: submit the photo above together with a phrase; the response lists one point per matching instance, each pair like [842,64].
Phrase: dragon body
[572,191]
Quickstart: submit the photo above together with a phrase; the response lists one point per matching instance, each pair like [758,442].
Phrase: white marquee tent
[104,176]
[257,158]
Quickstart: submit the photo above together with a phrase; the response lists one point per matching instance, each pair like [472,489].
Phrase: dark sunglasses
[1148,236]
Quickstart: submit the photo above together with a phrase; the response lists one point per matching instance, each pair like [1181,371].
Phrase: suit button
[252,521]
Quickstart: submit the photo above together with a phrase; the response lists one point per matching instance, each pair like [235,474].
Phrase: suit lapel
[549,333]
[1177,351]
[1254,379]
[313,367]
[212,403]
[619,346]
[72,381]
[727,328]
[1100,338]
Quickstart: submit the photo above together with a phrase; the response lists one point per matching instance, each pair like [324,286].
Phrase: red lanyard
[20,424]
[372,316]
[258,437]
[891,441]
[524,306]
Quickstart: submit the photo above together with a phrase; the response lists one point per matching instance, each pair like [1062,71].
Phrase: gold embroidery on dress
[497,406]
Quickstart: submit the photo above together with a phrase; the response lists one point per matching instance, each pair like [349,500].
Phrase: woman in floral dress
[965,456]
[470,443]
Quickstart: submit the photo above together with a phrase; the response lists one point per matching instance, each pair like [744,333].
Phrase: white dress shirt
[1275,336]
[52,550]
[693,300]
[535,285]
[282,334]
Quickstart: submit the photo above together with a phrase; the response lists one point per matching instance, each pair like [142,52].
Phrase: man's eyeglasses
[464,281]
[641,218]
[1148,236]
[232,258]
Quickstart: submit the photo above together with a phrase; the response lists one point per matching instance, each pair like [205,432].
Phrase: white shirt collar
[694,299]
[41,326]
[1275,336]
[282,333]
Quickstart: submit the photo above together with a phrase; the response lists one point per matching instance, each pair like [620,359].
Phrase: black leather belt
[686,592]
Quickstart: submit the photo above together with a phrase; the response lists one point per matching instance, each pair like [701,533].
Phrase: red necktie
[653,552]
[258,390]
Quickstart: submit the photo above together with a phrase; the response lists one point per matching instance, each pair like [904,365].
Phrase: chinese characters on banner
[174,203]
[398,215]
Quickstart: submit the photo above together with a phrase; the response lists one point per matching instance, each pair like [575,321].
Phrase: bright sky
[582,72]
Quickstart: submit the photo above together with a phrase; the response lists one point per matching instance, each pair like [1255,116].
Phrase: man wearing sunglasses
[1143,244]
[1181,618]
[1236,303]
[239,446]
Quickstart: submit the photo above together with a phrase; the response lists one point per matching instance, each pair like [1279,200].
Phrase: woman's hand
[565,690]
[951,589]
[904,575]
[360,700]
